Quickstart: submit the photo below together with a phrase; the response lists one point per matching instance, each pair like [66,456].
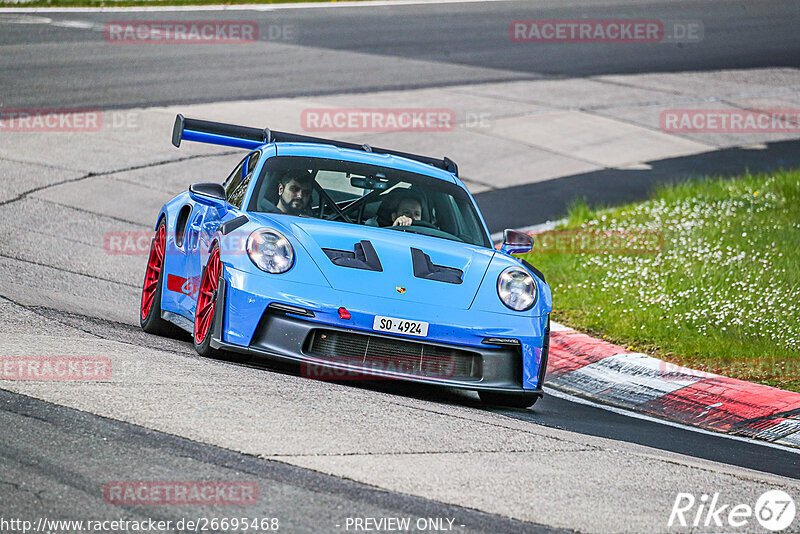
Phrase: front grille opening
[374,353]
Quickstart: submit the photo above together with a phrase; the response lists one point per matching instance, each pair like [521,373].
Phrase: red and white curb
[591,368]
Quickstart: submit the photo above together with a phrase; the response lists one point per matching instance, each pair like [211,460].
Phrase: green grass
[137,3]
[722,294]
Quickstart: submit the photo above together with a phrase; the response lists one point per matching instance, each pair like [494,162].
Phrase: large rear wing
[218,133]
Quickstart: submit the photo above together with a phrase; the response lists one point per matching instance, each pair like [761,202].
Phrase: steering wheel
[424,224]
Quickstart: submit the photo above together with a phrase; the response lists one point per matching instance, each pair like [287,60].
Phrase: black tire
[508,400]
[152,323]
[204,348]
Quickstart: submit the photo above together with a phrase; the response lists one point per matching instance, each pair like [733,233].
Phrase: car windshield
[369,195]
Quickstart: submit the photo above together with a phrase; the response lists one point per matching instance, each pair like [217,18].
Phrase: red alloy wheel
[154,265]
[207,299]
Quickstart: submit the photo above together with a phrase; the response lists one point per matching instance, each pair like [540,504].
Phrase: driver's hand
[403,221]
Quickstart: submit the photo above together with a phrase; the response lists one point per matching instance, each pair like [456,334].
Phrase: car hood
[393,248]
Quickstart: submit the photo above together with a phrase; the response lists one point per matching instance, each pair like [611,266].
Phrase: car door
[206,219]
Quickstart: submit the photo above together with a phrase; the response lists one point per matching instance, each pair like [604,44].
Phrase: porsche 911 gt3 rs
[347,258]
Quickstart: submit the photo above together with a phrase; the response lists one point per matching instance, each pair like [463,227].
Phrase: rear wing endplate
[218,133]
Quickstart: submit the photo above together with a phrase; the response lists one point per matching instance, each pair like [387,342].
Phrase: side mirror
[515,242]
[210,194]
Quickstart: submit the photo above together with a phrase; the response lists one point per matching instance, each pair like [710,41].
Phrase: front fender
[233,253]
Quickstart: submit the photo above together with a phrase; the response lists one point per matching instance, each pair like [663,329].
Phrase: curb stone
[607,373]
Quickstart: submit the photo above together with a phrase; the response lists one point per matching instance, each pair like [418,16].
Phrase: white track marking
[627,413]
[629,379]
[241,7]
[532,229]
[71,24]
[558,327]
[24,19]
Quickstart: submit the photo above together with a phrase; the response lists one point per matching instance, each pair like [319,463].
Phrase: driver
[408,210]
[294,193]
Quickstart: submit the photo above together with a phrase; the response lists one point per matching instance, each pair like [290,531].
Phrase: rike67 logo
[774,510]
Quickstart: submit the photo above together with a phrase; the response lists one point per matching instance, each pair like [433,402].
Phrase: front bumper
[456,354]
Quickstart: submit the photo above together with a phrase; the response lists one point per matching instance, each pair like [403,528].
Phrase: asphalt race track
[321,452]
[64,63]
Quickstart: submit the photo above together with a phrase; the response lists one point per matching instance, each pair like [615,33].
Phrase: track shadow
[415,390]
[535,203]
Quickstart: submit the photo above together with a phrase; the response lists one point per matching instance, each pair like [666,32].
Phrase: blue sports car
[351,260]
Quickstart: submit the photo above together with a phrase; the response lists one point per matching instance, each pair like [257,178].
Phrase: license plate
[400,326]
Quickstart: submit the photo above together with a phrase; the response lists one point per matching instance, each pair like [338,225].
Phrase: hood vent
[363,257]
[424,268]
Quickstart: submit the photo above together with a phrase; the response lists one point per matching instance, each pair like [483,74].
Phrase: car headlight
[270,251]
[517,288]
